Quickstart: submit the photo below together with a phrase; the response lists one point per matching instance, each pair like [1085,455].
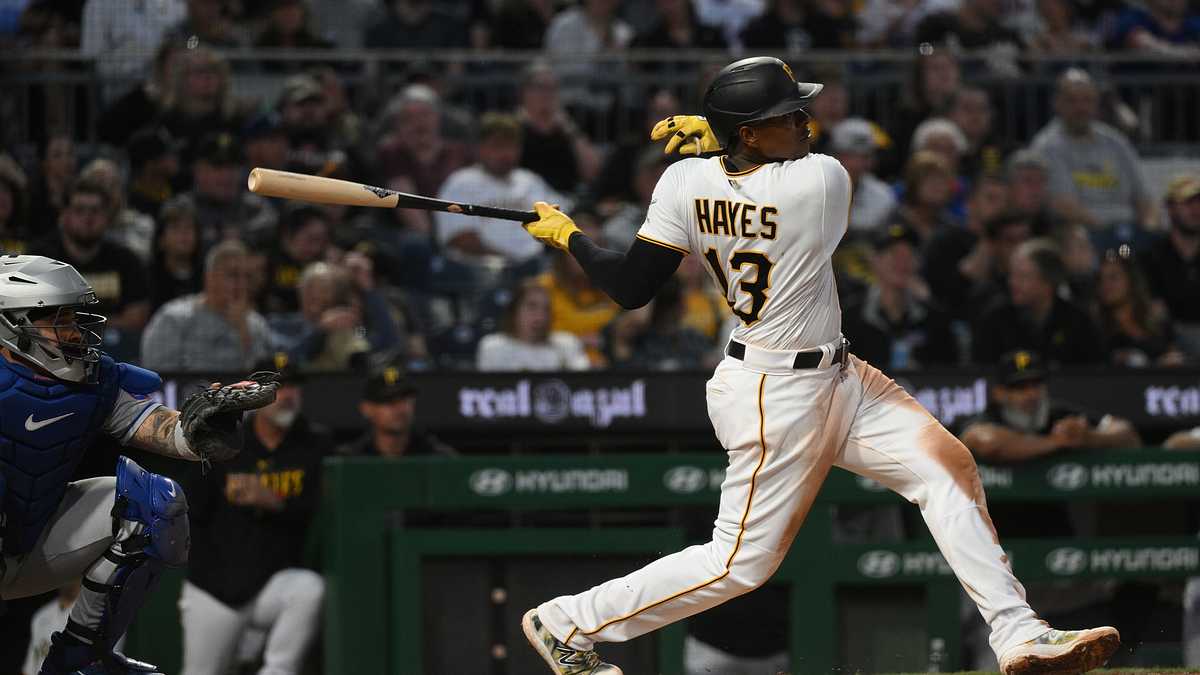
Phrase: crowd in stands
[962,246]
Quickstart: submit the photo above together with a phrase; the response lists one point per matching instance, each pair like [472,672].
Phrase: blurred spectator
[304,234]
[854,143]
[678,28]
[1028,175]
[895,326]
[929,184]
[892,23]
[521,24]
[49,190]
[664,342]
[345,125]
[1095,175]
[265,142]
[941,136]
[141,106]
[49,618]
[1188,439]
[497,180]
[730,15]
[1135,328]
[121,35]
[214,331]
[176,267]
[576,306]
[799,25]
[153,167]
[414,154]
[1172,261]
[1022,422]
[289,26]
[133,229]
[224,207]
[383,335]
[615,184]
[1080,259]
[622,227]
[1052,29]
[935,78]
[967,269]
[585,30]
[199,102]
[389,404]
[828,110]
[332,334]
[268,495]
[307,120]
[552,145]
[976,24]
[1036,317]
[208,21]
[15,228]
[113,271]
[525,340]
[416,24]
[1160,26]
[971,111]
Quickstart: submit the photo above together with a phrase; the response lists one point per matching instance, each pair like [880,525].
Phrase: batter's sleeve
[666,216]
[835,217]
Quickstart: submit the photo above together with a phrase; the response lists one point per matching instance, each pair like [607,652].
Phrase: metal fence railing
[608,93]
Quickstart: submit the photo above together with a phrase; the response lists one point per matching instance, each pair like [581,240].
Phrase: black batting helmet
[751,90]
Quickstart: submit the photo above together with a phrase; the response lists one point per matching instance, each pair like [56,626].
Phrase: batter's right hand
[690,134]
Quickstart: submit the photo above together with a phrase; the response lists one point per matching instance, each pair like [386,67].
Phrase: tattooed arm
[160,433]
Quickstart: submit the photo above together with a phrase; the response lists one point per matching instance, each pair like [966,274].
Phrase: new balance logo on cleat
[563,660]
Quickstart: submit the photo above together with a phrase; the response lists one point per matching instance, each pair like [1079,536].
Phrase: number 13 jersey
[766,236]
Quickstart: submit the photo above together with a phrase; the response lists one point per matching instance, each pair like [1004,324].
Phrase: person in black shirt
[1035,317]
[895,326]
[1022,422]
[112,270]
[1172,263]
[250,521]
[176,268]
[795,25]
[553,146]
[389,405]
[975,25]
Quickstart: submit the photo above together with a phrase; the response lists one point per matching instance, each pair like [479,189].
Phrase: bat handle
[497,212]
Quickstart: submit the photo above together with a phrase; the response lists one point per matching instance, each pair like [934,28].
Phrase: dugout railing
[374,613]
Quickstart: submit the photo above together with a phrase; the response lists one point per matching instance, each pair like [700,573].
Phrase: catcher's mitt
[212,419]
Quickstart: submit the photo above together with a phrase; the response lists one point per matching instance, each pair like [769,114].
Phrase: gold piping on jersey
[746,172]
[762,459]
[664,244]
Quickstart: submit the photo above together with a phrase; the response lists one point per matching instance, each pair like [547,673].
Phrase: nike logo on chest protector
[31,425]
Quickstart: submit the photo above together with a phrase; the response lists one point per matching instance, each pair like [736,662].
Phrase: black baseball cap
[1019,367]
[896,233]
[149,143]
[263,125]
[281,363]
[388,384]
[220,149]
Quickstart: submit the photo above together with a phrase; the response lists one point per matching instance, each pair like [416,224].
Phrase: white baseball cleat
[562,659]
[1062,652]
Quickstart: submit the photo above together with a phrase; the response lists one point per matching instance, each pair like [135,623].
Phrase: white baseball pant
[784,429]
[288,608]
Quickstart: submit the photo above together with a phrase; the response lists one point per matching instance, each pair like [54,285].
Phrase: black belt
[809,359]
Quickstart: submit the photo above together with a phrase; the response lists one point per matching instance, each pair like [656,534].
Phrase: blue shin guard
[150,533]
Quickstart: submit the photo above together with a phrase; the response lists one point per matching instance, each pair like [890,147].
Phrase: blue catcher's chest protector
[45,427]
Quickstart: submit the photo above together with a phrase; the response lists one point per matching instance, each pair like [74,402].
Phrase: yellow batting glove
[552,226]
[690,134]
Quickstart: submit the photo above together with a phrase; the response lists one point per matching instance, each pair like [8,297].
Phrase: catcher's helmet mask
[754,90]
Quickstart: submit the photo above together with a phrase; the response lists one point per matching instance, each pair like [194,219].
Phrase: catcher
[58,392]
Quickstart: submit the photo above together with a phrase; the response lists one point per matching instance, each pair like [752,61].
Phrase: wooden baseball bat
[288,185]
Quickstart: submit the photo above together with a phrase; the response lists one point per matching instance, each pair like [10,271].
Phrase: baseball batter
[789,401]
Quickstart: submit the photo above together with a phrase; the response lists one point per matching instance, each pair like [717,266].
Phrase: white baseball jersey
[766,236]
